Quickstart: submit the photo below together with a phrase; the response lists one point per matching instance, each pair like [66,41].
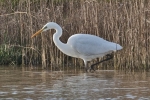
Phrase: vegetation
[126,22]
[10,55]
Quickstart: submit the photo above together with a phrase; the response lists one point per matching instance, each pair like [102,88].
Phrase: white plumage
[84,46]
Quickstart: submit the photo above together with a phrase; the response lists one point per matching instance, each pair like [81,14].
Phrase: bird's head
[49,25]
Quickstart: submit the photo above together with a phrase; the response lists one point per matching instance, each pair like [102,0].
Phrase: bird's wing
[90,45]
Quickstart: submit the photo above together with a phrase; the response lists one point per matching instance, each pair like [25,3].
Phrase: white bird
[84,46]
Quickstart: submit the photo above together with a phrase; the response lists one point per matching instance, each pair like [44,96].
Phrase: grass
[10,55]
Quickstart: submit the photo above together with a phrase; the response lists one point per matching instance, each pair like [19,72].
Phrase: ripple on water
[3,93]
[5,86]
[29,88]
[130,96]
[50,91]
[28,92]
[15,92]
[103,85]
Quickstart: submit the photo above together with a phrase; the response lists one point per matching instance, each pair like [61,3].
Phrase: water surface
[25,84]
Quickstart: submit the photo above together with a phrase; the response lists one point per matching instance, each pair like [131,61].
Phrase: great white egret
[84,46]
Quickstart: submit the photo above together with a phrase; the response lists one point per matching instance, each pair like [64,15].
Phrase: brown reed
[122,21]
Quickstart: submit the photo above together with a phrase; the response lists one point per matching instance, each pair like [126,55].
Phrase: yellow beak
[38,32]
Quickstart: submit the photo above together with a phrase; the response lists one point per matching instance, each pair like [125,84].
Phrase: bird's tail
[118,47]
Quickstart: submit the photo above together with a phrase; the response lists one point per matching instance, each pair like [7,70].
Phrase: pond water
[25,84]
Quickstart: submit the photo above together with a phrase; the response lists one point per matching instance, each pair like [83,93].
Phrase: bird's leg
[109,56]
[86,66]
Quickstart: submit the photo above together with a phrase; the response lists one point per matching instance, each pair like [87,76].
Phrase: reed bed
[126,22]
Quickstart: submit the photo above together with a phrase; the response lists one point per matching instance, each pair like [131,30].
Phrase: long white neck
[62,46]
